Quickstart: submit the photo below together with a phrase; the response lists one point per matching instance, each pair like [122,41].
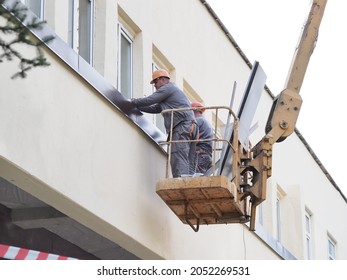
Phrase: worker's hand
[133,101]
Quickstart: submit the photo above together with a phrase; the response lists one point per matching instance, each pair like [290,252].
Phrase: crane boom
[285,109]
[305,46]
[286,106]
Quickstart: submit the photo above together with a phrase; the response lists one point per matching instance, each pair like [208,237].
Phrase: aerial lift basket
[204,200]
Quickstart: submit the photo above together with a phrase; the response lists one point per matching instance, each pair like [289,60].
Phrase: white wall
[69,147]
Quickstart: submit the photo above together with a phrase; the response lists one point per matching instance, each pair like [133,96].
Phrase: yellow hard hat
[198,105]
[159,73]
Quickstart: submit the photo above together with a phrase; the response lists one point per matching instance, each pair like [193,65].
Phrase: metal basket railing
[216,139]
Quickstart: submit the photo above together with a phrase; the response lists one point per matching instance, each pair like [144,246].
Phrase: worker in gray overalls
[203,160]
[169,96]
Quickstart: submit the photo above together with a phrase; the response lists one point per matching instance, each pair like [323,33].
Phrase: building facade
[72,143]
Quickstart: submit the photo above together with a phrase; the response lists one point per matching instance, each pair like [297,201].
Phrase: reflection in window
[36,6]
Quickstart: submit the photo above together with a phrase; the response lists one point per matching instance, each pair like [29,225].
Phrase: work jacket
[168,96]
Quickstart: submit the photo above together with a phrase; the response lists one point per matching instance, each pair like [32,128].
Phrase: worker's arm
[153,109]
[159,96]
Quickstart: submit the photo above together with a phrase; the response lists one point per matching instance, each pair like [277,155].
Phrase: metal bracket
[196,229]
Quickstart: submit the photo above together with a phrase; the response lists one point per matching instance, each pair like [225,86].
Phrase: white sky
[268,31]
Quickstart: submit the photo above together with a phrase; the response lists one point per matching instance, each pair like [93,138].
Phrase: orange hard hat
[159,73]
[198,105]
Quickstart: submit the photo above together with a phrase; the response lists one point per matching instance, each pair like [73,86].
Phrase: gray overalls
[203,159]
[169,96]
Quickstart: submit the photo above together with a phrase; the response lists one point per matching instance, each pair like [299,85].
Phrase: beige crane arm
[286,106]
[285,109]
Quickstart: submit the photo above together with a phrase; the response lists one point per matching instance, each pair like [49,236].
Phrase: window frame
[331,244]
[308,234]
[89,33]
[73,36]
[124,33]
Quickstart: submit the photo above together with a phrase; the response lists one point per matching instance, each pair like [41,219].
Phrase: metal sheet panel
[246,112]
[250,101]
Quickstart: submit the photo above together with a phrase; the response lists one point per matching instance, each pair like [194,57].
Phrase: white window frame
[75,31]
[73,36]
[90,20]
[331,248]
[278,218]
[308,235]
[124,33]
[260,216]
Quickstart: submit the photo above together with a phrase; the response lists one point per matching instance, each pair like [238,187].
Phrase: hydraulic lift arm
[285,109]
[287,104]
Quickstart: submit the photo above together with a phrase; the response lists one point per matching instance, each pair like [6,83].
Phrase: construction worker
[203,160]
[169,96]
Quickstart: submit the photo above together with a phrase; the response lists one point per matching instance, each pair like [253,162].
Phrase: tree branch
[16,34]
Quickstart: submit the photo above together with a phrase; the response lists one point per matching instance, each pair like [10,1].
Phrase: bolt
[283,124]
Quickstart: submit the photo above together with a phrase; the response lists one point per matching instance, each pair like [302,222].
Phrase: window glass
[331,249]
[278,219]
[85,27]
[125,65]
[73,24]
[158,119]
[36,6]
[308,235]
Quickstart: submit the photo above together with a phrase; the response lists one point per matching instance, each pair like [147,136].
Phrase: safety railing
[232,142]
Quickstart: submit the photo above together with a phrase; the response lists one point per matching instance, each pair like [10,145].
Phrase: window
[85,26]
[308,235]
[73,24]
[331,248]
[36,6]
[222,129]
[158,119]
[80,28]
[125,62]
[219,131]
[260,214]
[278,219]
[159,61]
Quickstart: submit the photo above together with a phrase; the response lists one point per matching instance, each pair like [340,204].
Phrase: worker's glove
[133,102]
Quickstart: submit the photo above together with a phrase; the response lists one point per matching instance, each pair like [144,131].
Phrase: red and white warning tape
[16,253]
